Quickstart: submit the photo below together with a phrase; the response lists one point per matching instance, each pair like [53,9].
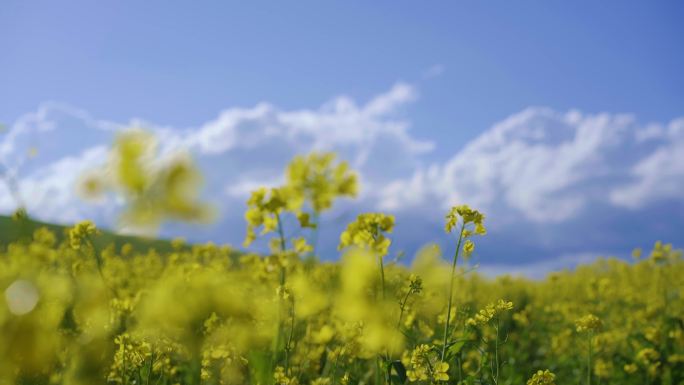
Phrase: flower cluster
[369,231]
[489,312]
[20,215]
[263,210]
[588,323]
[312,182]
[663,252]
[281,378]
[154,188]
[466,216]
[316,178]
[542,377]
[424,365]
[80,232]
[472,223]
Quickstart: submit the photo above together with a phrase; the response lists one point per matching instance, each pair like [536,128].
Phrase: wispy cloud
[433,71]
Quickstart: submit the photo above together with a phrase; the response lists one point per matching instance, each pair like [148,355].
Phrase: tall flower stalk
[466,216]
[588,324]
[451,292]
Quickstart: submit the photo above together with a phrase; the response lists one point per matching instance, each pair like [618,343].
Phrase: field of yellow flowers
[75,312]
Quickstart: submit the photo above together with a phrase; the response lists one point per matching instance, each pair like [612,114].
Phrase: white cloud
[659,175]
[548,166]
[539,167]
[239,150]
[50,191]
[338,124]
[236,127]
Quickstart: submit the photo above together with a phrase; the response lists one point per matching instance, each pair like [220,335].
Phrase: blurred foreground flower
[155,188]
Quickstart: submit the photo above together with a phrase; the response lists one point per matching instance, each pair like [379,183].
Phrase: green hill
[13,230]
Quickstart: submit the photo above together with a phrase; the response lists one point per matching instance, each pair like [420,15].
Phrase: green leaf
[400,370]
[456,347]
[260,366]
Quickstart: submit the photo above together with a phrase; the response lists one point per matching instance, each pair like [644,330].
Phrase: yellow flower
[542,377]
[424,365]
[441,370]
[503,305]
[588,323]
[155,188]
[368,232]
[264,207]
[467,216]
[79,232]
[603,368]
[490,311]
[317,179]
[20,214]
[301,246]
[281,377]
[472,223]
[468,247]
[647,356]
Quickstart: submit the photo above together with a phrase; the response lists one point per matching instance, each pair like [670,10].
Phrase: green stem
[384,298]
[123,369]
[589,360]
[149,371]
[402,307]
[288,344]
[382,278]
[460,373]
[279,335]
[281,233]
[96,254]
[334,370]
[99,263]
[377,371]
[388,372]
[283,247]
[314,236]
[496,351]
[451,292]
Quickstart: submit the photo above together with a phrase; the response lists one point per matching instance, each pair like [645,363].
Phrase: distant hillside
[11,231]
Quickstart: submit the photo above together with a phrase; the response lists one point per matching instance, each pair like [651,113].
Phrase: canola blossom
[369,231]
[75,312]
[155,188]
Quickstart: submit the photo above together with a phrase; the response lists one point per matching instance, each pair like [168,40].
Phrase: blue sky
[468,66]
